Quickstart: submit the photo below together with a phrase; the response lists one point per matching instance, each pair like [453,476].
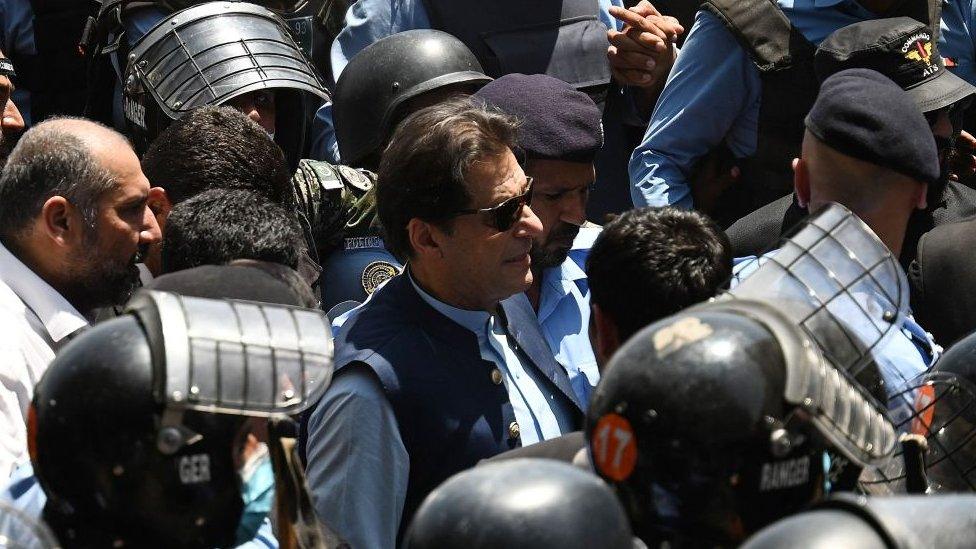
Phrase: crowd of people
[453,274]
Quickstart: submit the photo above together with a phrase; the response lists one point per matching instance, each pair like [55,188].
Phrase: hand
[641,55]
[961,160]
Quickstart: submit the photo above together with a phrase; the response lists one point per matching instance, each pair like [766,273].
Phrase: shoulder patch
[355,178]
[376,273]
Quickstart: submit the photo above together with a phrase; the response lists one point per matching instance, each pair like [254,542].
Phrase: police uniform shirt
[713,93]
[902,355]
[564,315]
[35,321]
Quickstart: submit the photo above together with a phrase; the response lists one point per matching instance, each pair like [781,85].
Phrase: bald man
[74,222]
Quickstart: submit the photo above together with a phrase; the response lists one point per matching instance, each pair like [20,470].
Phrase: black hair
[50,161]
[649,263]
[217,147]
[422,173]
[218,226]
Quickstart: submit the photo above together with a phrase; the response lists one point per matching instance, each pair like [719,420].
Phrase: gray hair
[50,161]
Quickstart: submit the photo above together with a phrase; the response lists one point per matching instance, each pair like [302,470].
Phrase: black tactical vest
[562,38]
[784,59]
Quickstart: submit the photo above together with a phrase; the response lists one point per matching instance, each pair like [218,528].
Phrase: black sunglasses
[504,215]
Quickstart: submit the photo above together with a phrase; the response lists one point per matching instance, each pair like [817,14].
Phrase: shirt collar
[474,321]
[59,317]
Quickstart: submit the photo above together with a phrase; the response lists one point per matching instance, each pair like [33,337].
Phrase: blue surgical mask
[257,491]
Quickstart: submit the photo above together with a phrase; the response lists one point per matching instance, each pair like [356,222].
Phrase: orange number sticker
[924,410]
[614,447]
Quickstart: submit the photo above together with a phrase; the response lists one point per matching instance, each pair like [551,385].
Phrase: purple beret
[558,122]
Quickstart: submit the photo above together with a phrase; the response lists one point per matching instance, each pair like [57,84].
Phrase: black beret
[865,115]
[558,122]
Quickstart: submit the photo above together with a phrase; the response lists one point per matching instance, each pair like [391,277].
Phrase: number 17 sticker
[614,447]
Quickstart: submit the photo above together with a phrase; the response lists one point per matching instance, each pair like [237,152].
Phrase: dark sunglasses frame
[503,216]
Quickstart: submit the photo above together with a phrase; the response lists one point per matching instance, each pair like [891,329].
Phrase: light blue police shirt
[358,465]
[901,356]
[714,90]
[564,315]
[366,22]
[25,494]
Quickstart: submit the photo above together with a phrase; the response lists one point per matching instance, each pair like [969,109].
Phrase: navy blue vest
[450,412]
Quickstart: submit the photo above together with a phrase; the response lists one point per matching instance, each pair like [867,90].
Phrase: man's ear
[801,182]
[424,238]
[60,221]
[921,201]
[159,203]
[605,337]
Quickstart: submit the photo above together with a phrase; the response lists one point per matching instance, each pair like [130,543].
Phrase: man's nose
[574,208]
[150,233]
[13,122]
[529,225]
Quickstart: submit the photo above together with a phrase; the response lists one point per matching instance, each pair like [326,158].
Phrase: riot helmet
[729,415]
[135,427]
[904,522]
[524,502]
[281,7]
[379,81]
[215,53]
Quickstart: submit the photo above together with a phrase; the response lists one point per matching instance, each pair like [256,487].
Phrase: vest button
[513,429]
[496,376]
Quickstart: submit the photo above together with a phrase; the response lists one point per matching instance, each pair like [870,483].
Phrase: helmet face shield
[210,54]
[235,357]
[841,284]
[941,407]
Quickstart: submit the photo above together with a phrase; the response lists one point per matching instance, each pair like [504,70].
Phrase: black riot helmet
[727,416]
[281,7]
[543,504]
[135,427]
[210,54]
[379,80]
[904,522]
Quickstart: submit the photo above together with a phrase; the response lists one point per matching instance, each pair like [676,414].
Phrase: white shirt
[35,321]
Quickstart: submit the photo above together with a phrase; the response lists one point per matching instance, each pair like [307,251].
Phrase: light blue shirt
[366,22]
[358,465]
[26,495]
[901,356]
[713,93]
[564,315]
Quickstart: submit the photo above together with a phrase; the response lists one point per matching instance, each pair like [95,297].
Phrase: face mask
[257,491]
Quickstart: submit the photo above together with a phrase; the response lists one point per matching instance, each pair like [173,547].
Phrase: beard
[99,279]
[554,250]
[7,144]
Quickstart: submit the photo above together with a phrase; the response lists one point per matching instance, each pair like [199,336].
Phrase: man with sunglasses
[559,136]
[440,367]
[901,49]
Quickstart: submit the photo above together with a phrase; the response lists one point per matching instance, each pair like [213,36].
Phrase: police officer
[481,508]
[138,441]
[745,79]
[902,49]
[261,71]
[867,147]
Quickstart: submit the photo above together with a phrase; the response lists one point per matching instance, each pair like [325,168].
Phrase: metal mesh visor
[241,357]
[841,284]
[211,53]
[19,531]
[941,407]
[850,420]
